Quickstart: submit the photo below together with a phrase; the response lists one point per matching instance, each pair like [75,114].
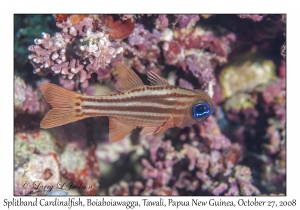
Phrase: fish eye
[201,109]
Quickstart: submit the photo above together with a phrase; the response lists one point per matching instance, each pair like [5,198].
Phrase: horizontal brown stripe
[134,109]
[157,100]
[144,122]
[138,98]
[154,88]
[121,115]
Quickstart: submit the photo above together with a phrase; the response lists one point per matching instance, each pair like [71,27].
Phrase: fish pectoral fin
[155,79]
[148,131]
[126,79]
[118,130]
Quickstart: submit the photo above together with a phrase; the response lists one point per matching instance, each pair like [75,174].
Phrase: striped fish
[155,108]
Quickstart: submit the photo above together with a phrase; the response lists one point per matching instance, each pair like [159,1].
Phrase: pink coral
[211,134]
[19,92]
[185,84]
[198,51]
[236,180]
[185,20]
[207,166]
[68,54]
[124,188]
[200,66]
[163,162]
[142,49]
[31,103]
[161,22]
[243,176]
[253,17]
[274,97]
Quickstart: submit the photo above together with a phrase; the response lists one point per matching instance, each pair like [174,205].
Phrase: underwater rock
[19,92]
[240,108]
[35,163]
[81,168]
[246,73]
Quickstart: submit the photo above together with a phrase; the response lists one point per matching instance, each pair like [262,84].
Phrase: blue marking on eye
[201,109]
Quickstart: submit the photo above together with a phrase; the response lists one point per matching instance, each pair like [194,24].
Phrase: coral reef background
[238,59]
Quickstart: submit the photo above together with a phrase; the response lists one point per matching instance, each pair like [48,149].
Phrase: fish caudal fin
[66,107]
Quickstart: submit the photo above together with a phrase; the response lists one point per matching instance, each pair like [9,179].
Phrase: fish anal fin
[118,130]
[155,79]
[126,79]
[148,131]
[65,103]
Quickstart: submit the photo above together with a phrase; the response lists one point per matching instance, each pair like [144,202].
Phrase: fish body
[155,108]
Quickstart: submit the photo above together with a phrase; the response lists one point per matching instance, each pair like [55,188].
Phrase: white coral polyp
[59,41]
[92,48]
[97,48]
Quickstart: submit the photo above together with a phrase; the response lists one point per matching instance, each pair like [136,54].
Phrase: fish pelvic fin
[66,106]
[155,142]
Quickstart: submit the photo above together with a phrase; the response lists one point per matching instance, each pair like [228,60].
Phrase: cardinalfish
[155,108]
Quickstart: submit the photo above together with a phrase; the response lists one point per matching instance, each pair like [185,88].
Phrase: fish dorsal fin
[148,131]
[155,79]
[126,79]
[118,130]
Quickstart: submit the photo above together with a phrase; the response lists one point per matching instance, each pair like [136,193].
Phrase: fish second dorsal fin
[126,79]
[118,130]
[155,79]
